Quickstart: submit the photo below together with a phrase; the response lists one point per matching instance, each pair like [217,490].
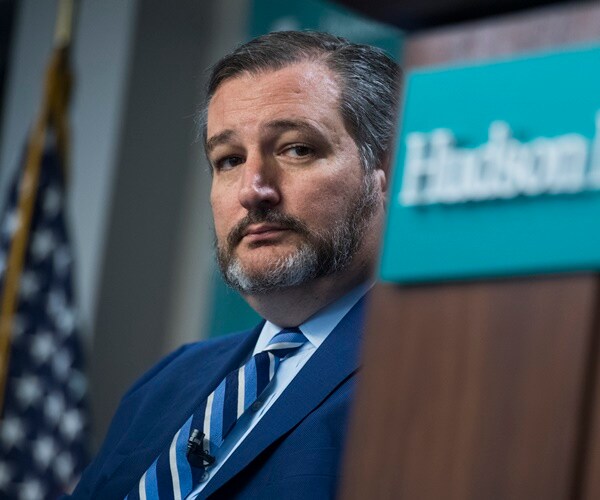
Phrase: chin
[258,257]
[267,272]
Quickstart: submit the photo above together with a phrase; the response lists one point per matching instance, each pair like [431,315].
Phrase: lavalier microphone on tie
[197,456]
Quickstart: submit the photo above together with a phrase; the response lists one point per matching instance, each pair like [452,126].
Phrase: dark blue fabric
[230,406]
[262,372]
[134,495]
[250,389]
[293,452]
[165,484]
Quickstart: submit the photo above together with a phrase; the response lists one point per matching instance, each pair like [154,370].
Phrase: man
[298,131]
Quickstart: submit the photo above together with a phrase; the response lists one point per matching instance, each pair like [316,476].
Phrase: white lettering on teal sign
[497,170]
[437,171]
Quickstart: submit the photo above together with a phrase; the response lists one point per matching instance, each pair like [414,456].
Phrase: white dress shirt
[315,329]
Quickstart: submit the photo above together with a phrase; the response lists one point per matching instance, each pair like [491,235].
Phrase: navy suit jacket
[295,450]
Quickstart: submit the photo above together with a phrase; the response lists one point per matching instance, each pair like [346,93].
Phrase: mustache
[270,216]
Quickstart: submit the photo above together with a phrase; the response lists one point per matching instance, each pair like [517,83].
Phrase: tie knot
[286,341]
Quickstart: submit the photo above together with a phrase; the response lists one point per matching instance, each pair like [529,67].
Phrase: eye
[298,151]
[227,162]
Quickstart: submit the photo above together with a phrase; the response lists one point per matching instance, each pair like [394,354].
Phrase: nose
[259,187]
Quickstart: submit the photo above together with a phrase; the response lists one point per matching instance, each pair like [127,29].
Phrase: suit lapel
[193,381]
[334,361]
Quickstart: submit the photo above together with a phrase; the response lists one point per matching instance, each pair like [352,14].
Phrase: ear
[383,171]
[381,177]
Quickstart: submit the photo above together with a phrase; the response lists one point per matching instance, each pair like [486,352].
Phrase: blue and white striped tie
[171,476]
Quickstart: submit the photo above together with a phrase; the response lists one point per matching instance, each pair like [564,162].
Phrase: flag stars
[64,467]
[57,308]
[62,260]
[56,304]
[77,385]
[71,424]
[42,244]
[12,432]
[44,451]
[11,224]
[31,489]
[19,325]
[54,407]
[66,322]
[61,364]
[6,474]
[30,285]
[43,346]
[52,201]
[28,390]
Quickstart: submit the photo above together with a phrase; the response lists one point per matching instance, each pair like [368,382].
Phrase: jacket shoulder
[185,354]
[149,396]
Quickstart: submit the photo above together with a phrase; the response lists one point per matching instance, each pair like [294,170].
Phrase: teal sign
[275,15]
[497,170]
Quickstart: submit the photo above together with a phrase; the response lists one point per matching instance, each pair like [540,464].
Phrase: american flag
[43,429]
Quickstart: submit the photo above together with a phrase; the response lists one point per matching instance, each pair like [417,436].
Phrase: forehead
[306,90]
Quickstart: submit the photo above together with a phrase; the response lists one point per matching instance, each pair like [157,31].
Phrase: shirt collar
[319,325]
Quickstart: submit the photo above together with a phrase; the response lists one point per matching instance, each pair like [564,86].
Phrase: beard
[319,253]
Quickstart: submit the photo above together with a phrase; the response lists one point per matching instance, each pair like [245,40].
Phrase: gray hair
[369,82]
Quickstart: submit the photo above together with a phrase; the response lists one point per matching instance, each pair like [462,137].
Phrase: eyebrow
[275,126]
[283,125]
[218,139]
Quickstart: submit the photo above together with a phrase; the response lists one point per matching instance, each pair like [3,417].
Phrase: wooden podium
[482,390]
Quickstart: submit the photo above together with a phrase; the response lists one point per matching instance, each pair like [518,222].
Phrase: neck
[292,306]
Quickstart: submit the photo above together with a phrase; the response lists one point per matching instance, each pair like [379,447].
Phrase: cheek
[326,201]
[220,214]
[341,188]
[342,183]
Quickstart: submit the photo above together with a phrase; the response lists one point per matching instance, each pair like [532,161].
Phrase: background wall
[139,213]
[157,269]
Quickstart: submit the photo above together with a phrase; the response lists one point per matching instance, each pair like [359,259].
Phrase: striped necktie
[171,476]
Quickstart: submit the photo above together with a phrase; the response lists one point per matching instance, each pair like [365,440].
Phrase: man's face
[289,196]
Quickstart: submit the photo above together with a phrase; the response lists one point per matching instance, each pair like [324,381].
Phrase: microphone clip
[196,454]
